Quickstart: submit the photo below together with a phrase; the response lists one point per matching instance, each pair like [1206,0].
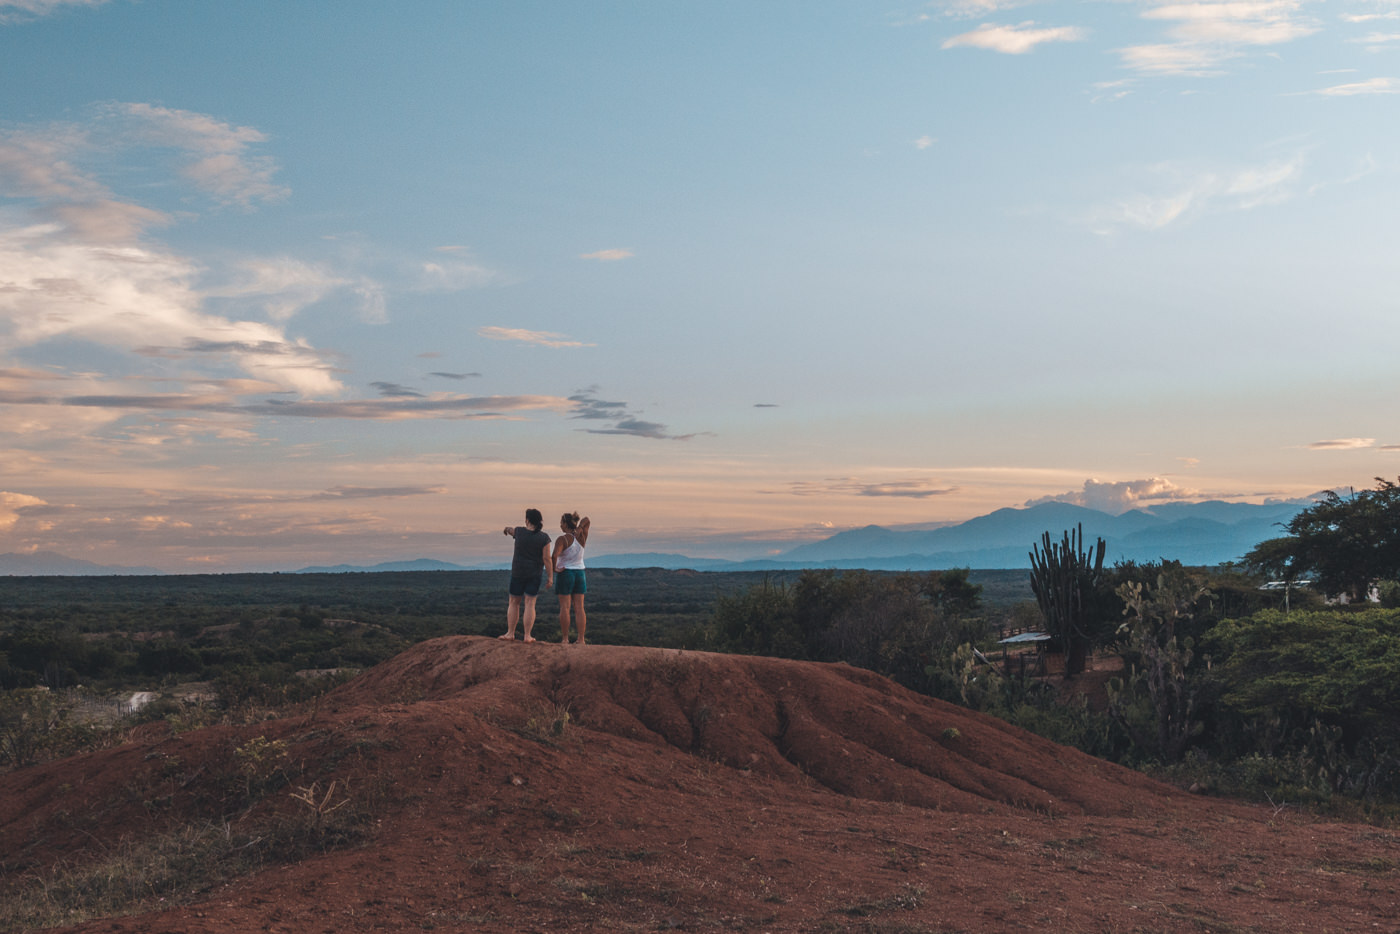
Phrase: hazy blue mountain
[653,559]
[419,564]
[1205,533]
[52,564]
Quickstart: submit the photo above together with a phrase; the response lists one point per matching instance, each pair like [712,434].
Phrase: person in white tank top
[570,581]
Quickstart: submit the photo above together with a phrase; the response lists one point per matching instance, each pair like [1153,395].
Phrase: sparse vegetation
[37,724]
[547,722]
[179,865]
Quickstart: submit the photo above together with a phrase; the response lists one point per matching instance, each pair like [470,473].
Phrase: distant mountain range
[421,564]
[1203,534]
[1206,534]
[52,564]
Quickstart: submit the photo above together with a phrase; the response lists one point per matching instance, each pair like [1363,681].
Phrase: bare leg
[512,617]
[529,617]
[564,617]
[580,617]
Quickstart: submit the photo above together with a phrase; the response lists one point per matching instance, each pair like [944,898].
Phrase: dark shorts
[570,581]
[525,586]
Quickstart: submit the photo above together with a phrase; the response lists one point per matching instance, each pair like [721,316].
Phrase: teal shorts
[570,581]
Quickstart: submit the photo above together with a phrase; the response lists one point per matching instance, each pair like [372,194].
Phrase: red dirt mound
[849,730]
[549,787]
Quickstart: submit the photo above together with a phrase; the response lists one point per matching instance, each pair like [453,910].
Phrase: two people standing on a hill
[532,561]
[570,581]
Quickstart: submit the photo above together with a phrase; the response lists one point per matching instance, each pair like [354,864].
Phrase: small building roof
[1026,637]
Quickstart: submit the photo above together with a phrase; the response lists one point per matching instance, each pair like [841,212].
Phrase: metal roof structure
[1026,637]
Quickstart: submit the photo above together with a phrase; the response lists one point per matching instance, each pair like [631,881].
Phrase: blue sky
[301,283]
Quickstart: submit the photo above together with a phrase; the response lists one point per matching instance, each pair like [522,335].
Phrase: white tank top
[571,558]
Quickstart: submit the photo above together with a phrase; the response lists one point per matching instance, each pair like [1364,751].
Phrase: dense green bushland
[1219,688]
[141,632]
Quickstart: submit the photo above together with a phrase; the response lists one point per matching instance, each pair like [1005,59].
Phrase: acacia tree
[1346,543]
[1067,583]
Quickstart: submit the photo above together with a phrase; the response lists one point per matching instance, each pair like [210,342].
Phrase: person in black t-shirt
[526,568]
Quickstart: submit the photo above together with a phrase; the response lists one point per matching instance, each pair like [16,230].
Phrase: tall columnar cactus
[1065,580]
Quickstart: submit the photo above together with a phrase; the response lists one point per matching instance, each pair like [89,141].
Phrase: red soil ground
[700,792]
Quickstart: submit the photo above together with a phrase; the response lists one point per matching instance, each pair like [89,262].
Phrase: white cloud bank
[1118,497]
[1203,36]
[11,503]
[78,263]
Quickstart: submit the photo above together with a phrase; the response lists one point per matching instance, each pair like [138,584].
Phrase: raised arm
[582,532]
[508,531]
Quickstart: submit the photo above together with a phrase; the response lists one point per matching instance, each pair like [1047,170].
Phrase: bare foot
[529,638]
[581,642]
[508,636]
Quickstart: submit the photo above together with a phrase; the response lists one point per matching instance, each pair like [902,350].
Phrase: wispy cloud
[375,492]
[217,156]
[1184,193]
[458,376]
[1015,40]
[21,10]
[538,338]
[1203,36]
[1182,59]
[1111,90]
[974,9]
[1342,444]
[1377,41]
[41,390]
[609,256]
[454,273]
[396,390]
[1356,88]
[638,428]
[588,406]
[280,287]
[1120,496]
[912,488]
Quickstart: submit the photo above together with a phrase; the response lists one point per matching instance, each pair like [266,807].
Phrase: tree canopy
[1346,543]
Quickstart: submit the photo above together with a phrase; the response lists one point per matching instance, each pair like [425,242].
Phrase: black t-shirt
[529,552]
